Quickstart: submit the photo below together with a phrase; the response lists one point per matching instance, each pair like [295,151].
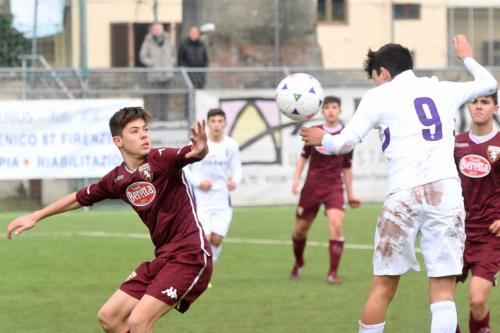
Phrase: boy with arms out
[213,178]
[477,155]
[415,119]
[151,182]
[323,185]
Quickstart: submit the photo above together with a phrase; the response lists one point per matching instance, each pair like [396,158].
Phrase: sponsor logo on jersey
[493,153]
[322,150]
[474,166]
[145,172]
[117,179]
[170,292]
[461,144]
[141,193]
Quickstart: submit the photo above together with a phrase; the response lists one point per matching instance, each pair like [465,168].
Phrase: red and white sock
[299,246]
[479,326]
[336,248]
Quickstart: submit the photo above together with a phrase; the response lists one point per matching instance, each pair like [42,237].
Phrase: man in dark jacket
[193,53]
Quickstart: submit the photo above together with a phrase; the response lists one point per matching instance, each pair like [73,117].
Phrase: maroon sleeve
[174,158]
[347,164]
[96,192]
[306,151]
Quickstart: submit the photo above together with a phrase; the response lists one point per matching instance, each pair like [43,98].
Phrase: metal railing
[34,82]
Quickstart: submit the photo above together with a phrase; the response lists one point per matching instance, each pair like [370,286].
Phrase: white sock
[444,317]
[375,328]
[216,252]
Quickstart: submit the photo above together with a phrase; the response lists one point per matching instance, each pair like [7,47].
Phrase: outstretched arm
[199,139]
[27,222]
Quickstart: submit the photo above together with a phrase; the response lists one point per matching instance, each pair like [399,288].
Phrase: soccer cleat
[333,278]
[210,285]
[295,273]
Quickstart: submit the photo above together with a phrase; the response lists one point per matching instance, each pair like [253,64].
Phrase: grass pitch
[54,278]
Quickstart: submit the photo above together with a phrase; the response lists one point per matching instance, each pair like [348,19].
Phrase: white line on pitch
[251,241]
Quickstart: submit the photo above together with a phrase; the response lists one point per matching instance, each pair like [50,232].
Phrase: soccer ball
[299,96]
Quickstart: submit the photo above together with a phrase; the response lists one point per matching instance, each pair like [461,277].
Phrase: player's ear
[118,141]
[386,75]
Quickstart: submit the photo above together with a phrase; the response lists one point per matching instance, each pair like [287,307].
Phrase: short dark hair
[216,112]
[124,116]
[393,57]
[493,96]
[332,99]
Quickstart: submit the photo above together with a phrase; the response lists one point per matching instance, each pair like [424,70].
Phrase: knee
[383,293]
[138,323]
[107,319]
[477,302]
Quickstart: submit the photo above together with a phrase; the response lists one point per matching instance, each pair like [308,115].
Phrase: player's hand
[205,184]
[462,47]
[20,225]
[354,202]
[199,140]
[295,186]
[231,185]
[312,136]
[495,228]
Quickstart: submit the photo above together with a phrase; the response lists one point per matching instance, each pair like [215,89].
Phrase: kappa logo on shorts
[145,172]
[141,193]
[493,153]
[170,292]
[131,276]
[474,166]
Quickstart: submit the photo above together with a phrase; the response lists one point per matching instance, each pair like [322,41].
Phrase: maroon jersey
[325,168]
[158,192]
[479,169]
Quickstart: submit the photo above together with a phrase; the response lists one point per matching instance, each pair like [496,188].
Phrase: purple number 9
[434,119]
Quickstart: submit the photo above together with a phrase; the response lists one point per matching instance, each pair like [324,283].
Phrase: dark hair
[494,96]
[124,116]
[332,99]
[393,57]
[216,112]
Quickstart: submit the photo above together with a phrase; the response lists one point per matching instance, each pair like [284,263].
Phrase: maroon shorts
[482,258]
[312,196]
[176,281]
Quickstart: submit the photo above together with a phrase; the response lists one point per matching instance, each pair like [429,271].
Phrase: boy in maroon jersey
[152,183]
[323,185]
[477,155]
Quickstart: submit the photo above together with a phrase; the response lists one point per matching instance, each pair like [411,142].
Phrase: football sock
[375,328]
[479,326]
[336,248]
[458,330]
[298,249]
[216,252]
[444,317]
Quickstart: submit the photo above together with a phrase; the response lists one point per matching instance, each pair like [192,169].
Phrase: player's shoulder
[231,142]
[462,137]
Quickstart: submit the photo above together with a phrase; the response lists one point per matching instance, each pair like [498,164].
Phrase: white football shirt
[221,164]
[415,119]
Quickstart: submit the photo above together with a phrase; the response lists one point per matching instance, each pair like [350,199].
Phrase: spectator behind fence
[193,53]
[157,52]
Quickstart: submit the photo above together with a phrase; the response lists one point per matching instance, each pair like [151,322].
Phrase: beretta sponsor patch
[474,166]
[141,193]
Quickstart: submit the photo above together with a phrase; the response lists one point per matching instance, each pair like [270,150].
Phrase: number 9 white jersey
[415,119]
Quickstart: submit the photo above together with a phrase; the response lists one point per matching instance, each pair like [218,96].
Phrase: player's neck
[331,124]
[215,138]
[133,162]
[481,130]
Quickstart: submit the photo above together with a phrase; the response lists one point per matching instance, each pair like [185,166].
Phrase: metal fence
[173,99]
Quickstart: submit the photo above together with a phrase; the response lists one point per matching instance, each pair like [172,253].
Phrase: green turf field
[54,278]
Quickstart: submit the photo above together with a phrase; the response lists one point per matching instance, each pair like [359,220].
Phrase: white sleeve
[484,83]
[192,177]
[365,118]
[235,168]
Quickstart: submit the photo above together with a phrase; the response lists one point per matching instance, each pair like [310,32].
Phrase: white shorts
[215,221]
[435,213]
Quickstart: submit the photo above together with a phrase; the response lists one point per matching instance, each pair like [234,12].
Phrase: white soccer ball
[299,96]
